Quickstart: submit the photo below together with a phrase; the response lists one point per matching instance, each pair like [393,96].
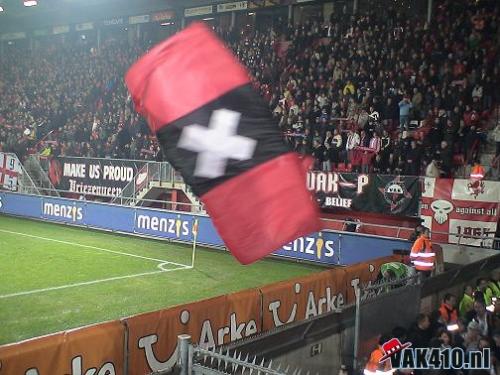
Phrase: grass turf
[44,269]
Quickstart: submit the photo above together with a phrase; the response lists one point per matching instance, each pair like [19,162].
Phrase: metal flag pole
[195,236]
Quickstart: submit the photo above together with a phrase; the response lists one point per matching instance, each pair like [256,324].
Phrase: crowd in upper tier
[364,93]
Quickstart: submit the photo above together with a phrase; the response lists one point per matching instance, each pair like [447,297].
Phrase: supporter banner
[461,208]
[10,169]
[396,195]
[114,21]
[326,247]
[84,26]
[138,19]
[41,32]
[161,16]
[229,7]
[253,4]
[198,11]
[152,339]
[92,176]
[60,29]
[90,350]
[13,36]
[270,3]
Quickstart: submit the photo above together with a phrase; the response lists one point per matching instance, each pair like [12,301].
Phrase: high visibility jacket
[466,305]
[493,289]
[422,256]
[399,269]
[449,314]
[477,172]
[487,295]
[374,367]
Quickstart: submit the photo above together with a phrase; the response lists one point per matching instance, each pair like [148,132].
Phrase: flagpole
[195,236]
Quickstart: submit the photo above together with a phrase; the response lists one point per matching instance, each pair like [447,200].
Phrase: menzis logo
[313,246]
[65,211]
[176,226]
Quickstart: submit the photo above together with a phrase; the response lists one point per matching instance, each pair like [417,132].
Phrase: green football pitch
[55,277]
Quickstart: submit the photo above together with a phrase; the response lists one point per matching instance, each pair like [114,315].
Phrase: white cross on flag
[217,143]
[461,210]
[9,170]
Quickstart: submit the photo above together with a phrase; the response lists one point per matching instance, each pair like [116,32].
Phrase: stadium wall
[326,247]
[148,342]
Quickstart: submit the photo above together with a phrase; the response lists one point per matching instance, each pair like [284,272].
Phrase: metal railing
[116,200]
[195,360]
[148,173]
[372,292]
[39,175]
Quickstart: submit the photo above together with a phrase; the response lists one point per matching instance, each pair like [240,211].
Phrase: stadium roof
[16,16]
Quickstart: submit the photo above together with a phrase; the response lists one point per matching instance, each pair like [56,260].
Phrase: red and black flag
[220,135]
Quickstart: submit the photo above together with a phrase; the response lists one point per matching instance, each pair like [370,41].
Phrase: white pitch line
[163,261]
[35,291]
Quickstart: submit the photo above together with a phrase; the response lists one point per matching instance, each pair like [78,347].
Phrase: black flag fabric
[220,135]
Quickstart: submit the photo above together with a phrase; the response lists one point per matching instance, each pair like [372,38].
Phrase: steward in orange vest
[477,172]
[374,367]
[422,256]
[448,310]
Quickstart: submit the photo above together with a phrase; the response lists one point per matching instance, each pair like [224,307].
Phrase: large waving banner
[101,177]
[461,209]
[394,195]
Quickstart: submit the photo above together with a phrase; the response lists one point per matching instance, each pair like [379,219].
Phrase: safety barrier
[326,247]
[147,342]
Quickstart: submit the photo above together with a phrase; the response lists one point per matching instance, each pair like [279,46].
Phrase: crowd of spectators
[370,81]
[74,98]
[333,87]
[471,323]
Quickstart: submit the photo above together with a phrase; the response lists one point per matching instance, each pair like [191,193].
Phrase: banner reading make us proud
[461,209]
[395,195]
[101,177]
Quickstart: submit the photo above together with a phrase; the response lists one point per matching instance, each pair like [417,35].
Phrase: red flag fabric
[221,136]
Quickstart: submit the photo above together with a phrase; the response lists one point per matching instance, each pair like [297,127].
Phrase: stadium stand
[476,329]
[418,96]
